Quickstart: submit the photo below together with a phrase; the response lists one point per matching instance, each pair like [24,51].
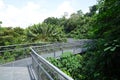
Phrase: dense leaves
[70,64]
[103,62]
[45,32]
[11,35]
[106,28]
[51,20]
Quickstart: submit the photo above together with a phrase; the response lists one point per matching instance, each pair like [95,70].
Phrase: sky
[23,13]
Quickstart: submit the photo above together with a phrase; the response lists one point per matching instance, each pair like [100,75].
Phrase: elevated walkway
[34,65]
[14,73]
[16,70]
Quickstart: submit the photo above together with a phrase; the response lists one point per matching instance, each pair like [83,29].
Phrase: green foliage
[106,28]
[8,57]
[79,25]
[45,32]
[16,54]
[0,22]
[82,29]
[70,64]
[93,10]
[74,20]
[9,35]
[52,21]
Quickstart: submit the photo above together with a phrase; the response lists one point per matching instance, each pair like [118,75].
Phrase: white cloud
[63,8]
[33,13]
[31,6]
[23,17]
[2,5]
[30,14]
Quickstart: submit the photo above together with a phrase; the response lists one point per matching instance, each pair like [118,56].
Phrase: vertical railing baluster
[54,50]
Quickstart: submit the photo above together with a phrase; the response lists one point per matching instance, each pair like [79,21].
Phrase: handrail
[20,46]
[24,44]
[10,50]
[40,58]
[39,61]
[42,63]
[41,67]
[57,47]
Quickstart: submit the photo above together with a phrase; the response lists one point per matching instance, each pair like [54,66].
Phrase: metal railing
[44,70]
[12,53]
[19,46]
[40,67]
[56,49]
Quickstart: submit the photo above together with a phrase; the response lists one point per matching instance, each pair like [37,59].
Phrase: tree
[81,25]
[51,20]
[106,28]
[0,23]
[93,10]
[9,35]
[45,32]
[74,20]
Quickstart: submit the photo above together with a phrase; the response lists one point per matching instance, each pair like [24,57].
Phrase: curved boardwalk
[18,70]
[14,73]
